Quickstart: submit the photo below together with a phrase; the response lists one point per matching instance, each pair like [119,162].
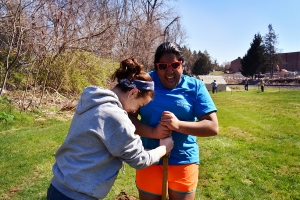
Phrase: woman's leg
[149,182]
[176,196]
[54,194]
[183,180]
[144,196]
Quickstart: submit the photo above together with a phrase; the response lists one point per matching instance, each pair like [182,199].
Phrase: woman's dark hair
[132,70]
[168,47]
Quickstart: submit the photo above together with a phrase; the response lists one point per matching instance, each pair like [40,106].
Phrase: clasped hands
[167,124]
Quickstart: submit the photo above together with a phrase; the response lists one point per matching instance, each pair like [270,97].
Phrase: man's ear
[133,93]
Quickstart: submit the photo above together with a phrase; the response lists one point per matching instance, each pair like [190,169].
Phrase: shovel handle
[165,178]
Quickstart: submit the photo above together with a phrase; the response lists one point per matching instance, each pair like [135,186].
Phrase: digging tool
[165,178]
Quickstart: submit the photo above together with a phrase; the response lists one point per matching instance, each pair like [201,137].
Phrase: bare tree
[64,28]
[41,37]
[146,24]
[13,30]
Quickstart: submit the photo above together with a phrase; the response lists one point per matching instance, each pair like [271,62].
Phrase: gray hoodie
[100,137]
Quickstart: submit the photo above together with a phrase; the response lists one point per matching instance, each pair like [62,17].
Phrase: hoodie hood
[93,96]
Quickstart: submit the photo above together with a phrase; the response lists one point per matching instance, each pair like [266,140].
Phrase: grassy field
[255,156]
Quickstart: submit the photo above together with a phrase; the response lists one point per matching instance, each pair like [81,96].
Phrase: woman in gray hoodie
[101,137]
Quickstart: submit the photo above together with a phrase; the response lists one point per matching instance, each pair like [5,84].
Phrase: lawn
[254,156]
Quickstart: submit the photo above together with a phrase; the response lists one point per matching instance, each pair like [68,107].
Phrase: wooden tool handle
[165,178]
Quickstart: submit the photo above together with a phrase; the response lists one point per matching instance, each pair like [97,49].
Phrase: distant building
[290,61]
[235,65]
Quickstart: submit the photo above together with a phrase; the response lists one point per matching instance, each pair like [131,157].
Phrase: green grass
[254,156]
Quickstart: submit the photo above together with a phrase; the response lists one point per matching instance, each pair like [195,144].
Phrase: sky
[225,28]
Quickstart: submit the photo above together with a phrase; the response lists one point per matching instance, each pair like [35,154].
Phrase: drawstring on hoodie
[123,167]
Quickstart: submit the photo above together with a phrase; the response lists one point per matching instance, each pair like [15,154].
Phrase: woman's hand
[169,120]
[161,131]
[168,142]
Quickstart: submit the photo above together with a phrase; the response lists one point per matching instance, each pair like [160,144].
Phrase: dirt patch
[124,196]
[48,103]
[286,81]
[64,116]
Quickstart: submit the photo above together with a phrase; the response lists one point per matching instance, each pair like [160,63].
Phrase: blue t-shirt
[188,101]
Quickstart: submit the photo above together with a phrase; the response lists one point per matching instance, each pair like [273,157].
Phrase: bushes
[67,73]
[85,69]
[70,72]
[5,114]
[6,118]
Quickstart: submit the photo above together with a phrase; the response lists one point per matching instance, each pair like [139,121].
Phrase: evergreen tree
[270,40]
[187,54]
[254,61]
[197,63]
[203,64]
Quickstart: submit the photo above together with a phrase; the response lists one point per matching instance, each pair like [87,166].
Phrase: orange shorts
[182,179]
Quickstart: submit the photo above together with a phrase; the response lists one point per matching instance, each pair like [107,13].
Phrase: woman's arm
[158,132]
[165,146]
[206,126]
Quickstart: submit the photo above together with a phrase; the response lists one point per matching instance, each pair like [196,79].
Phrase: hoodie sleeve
[120,140]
